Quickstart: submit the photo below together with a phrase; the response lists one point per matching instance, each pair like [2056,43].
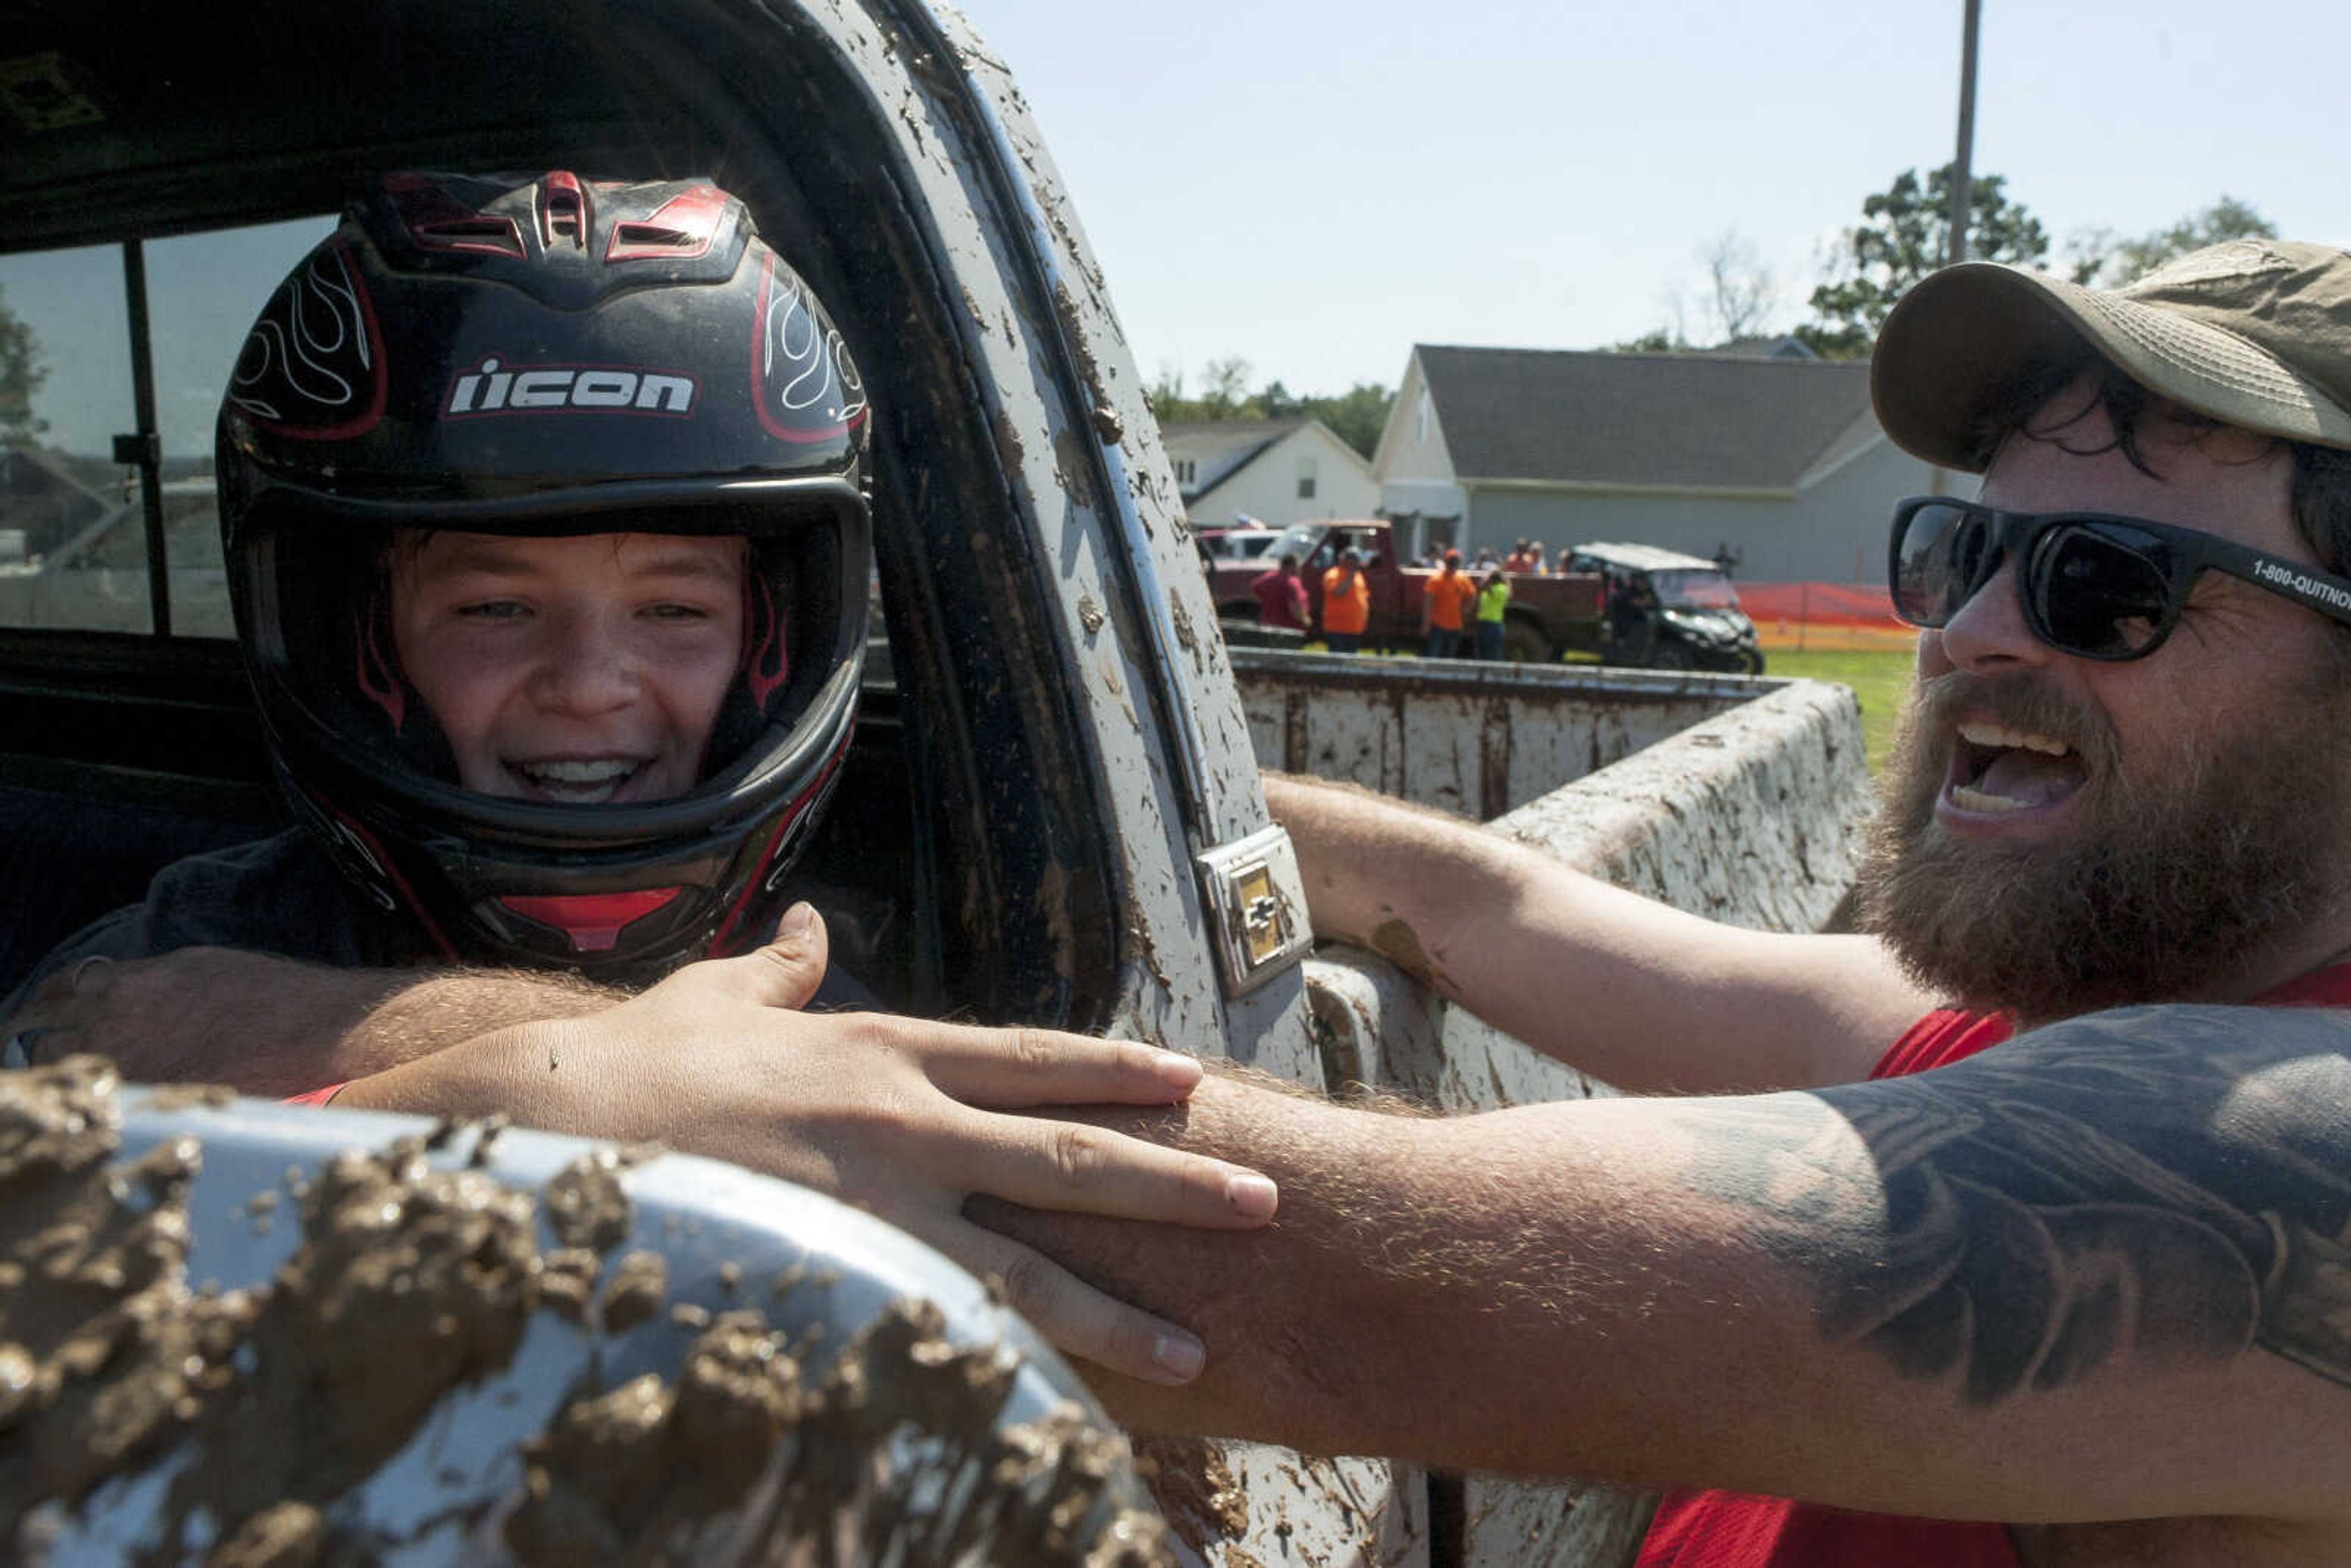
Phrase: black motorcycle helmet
[536,356]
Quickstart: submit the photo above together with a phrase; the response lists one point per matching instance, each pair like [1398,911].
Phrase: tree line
[21,375]
[1904,235]
[1356,416]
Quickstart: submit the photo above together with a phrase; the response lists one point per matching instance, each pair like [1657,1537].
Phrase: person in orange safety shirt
[1346,602]
[1448,594]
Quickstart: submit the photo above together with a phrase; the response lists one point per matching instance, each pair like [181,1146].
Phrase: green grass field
[1880,679]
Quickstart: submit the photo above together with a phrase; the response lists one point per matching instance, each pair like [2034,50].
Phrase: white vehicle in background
[1242,541]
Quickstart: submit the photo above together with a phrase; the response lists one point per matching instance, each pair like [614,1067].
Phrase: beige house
[1765,454]
[1278,471]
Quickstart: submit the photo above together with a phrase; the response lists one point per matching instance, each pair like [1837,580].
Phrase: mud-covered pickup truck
[1050,812]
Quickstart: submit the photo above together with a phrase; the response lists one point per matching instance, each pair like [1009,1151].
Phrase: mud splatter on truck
[149,1406]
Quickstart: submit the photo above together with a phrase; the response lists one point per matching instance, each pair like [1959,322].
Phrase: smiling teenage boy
[543,505]
[587,670]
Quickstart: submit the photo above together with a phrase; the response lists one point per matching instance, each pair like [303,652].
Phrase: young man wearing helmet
[544,507]
[432,426]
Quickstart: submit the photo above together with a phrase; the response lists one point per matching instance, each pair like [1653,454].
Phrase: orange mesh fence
[1822,615]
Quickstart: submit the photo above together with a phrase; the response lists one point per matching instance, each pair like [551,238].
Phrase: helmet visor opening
[599,656]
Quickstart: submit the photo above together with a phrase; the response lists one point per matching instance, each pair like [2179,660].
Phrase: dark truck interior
[127,128]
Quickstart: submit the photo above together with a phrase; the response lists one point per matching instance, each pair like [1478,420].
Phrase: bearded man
[2064,1274]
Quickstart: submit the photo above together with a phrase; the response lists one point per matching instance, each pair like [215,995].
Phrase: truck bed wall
[1477,739]
[1738,798]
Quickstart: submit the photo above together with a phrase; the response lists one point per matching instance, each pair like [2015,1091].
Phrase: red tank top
[1733,1530]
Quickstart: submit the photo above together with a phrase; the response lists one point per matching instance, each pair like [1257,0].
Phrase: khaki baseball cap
[2255,333]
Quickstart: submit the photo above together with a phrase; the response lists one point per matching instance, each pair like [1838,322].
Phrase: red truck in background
[1624,604]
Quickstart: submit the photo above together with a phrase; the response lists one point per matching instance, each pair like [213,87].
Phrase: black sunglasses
[2092,584]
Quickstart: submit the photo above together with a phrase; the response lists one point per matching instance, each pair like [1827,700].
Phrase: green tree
[1904,235]
[2098,259]
[1174,405]
[1739,297]
[1226,396]
[21,375]
[1356,416]
[1166,391]
[1656,340]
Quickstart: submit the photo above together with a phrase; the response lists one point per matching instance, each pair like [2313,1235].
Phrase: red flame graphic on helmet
[765,662]
[379,677]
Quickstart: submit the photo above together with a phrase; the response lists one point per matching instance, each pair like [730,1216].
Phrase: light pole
[1955,249]
[1962,163]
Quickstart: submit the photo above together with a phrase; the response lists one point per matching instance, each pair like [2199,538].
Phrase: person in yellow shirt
[1493,599]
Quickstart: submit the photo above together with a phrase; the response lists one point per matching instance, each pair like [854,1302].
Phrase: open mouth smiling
[577,781]
[1997,770]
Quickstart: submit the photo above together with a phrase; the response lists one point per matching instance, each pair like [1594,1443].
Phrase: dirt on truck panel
[172,1420]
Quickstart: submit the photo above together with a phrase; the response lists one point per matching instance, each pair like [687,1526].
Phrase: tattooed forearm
[2168,1183]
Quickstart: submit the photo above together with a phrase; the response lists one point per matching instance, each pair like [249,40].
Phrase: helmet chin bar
[593,920]
[624,923]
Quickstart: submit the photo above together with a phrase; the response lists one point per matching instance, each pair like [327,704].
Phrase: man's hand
[902,1116]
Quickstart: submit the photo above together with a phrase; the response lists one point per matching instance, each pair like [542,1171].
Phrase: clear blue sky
[1315,186]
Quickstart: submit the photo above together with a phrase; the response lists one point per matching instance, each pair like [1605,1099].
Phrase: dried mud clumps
[1194,1488]
[289,1535]
[1052,1480]
[103,1353]
[1040,1492]
[268,1401]
[567,1280]
[410,1281]
[895,1454]
[247,1424]
[640,1282]
[585,1204]
[650,1473]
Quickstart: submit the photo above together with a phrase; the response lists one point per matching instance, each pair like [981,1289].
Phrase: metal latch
[1257,905]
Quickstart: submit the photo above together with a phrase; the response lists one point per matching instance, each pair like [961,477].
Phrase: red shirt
[1733,1530]
[1280,600]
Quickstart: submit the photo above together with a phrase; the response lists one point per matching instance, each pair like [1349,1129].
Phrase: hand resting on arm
[902,1116]
[2093,1274]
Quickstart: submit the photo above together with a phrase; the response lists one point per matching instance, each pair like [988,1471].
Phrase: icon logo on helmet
[495,388]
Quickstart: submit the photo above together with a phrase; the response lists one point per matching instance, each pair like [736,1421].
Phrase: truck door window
[202,293]
[85,479]
[72,553]
[1696,590]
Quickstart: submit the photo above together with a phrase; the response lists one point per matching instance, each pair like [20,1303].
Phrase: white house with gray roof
[1278,471]
[1776,457]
